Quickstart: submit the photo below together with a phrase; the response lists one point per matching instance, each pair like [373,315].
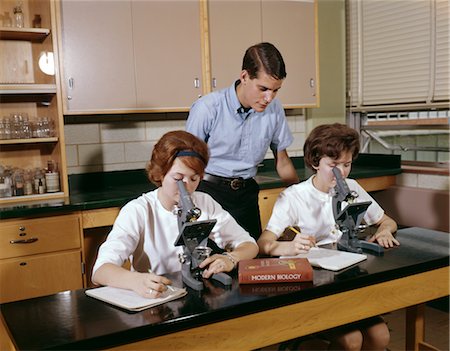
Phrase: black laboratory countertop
[114,189]
[72,321]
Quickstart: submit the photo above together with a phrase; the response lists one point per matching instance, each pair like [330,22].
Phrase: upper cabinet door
[167,51]
[97,54]
[233,27]
[291,27]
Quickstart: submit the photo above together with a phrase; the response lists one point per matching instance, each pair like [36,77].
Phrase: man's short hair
[264,57]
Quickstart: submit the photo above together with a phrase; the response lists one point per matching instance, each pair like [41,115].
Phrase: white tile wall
[104,147]
[138,151]
[122,132]
[93,147]
[82,133]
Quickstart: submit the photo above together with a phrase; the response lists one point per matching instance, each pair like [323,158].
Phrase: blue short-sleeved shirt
[238,141]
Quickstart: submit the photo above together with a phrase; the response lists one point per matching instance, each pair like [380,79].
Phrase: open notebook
[330,259]
[130,300]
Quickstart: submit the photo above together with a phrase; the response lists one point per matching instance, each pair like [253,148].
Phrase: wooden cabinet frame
[32,92]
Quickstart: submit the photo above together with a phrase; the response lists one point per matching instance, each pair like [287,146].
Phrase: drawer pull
[24,241]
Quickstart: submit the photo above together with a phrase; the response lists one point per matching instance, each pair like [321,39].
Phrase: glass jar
[19,183]
[18,17]
[16,126]
[26,127]
[7,21]
[6,128]
[52,177]
[37,21]
[5,183]
[28,186]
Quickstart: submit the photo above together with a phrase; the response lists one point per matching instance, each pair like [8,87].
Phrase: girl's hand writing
[150,285]
[303,243]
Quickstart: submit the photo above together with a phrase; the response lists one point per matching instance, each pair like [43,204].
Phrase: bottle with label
[18,184]
[37,21]
[52,177]
[5,183]
[18,17]
[28,186]
[41,186]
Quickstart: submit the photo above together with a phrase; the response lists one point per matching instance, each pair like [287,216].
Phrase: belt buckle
[235,184]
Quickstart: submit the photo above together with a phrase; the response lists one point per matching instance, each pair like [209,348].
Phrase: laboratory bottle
[18,17]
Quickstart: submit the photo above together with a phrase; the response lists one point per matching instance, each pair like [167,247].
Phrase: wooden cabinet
[166,37]
[267,199]
[162,55]
[97,56]
[123,56]
[289,25]
[227,39]
[28,92]
[40,256]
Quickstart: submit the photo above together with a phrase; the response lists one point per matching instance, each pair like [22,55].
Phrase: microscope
[349,219]
[193,236]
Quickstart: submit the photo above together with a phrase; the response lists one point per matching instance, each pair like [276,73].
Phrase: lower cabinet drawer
[27,277]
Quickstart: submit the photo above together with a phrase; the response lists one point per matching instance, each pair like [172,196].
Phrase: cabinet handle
[196,83]
[24,241]
[214,83]
[71,83]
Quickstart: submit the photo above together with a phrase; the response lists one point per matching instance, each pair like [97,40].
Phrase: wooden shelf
[35,197]
[28,141]
[26,88]
[25,34]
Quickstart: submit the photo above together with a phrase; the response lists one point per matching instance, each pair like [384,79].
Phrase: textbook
[274,270]
[130,300]
[333,260]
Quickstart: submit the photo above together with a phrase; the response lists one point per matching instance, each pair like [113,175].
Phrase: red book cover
[274,270]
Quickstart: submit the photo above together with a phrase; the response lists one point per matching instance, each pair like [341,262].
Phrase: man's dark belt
[234,183]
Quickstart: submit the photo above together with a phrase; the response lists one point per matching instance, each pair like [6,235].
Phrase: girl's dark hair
[264,57]
[330,140]
[165,152]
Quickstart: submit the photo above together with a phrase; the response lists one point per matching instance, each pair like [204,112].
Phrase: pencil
[294,230]
[297,232]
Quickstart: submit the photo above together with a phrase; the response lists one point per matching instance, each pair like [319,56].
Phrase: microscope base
[357,246]
[223,278]
[190,281]
[196,284]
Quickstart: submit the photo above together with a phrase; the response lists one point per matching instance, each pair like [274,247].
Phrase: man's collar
[241,109]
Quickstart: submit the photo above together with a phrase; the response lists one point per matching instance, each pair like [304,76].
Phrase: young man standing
[239,124]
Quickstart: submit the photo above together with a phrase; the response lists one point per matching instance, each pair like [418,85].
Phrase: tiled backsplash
[96,147]
[102,147]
